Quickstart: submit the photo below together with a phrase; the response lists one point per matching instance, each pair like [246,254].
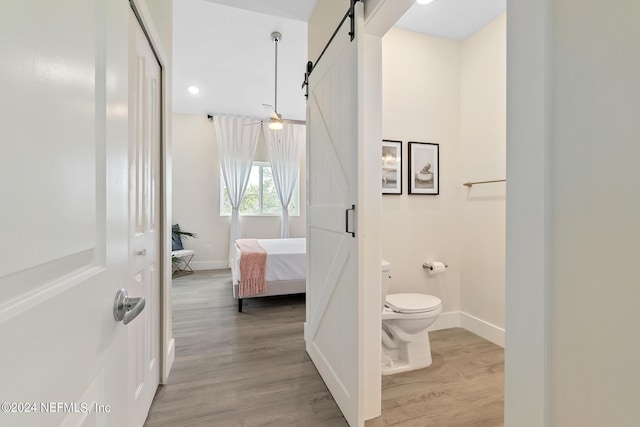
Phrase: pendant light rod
[276,37]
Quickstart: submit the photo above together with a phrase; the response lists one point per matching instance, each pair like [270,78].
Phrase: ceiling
[291,9]
[224,48]
[451,19]
[228,54]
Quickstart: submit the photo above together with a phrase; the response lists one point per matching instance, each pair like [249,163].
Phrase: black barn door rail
[352,33]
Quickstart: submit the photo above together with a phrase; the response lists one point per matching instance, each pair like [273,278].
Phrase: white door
[332,331]
[63,212]
[144,220]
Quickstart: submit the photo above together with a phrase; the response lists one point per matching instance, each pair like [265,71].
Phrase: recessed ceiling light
[424,1]
[194,90]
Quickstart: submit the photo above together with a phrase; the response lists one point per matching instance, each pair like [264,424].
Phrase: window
[260,198]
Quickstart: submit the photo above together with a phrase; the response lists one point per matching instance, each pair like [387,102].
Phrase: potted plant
[177,235]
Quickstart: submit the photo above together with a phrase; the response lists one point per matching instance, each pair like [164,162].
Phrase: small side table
[181,265]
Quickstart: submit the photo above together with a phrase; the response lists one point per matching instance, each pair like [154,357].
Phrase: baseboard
[171,356]
[460,319]
[486,330]
[446,321]
[209,265]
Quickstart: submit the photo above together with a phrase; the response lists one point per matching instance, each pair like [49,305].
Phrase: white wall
[482,158]
[161,12]
[421,102]
[196,194]
[595,214]
[454,94]
[322,23]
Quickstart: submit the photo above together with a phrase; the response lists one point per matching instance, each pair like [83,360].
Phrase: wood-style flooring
[464,386]
[251,369]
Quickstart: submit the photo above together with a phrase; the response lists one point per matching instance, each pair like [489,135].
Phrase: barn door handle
[126,308]
[346,220]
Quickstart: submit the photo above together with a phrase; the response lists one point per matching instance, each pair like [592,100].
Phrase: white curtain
[285,148]
[237,140]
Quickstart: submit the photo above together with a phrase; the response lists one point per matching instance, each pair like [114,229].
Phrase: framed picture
[424,168]
[391,167]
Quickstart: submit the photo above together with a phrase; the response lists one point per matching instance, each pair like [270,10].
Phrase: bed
[286,268]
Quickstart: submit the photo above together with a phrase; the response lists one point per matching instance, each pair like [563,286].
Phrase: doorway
[451,94]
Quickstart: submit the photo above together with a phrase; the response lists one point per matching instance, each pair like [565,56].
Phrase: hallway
[239,369]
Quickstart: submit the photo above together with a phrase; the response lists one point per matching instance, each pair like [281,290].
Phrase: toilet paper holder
[428,266]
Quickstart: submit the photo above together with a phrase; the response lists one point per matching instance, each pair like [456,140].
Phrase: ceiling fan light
[275,125]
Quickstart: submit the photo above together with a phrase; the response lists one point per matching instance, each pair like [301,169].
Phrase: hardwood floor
[251,369]
[239,369]
[464,386]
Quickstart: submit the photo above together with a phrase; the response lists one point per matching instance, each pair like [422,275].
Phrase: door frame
[528,239]
[379,17]
[166,339]
[528,236]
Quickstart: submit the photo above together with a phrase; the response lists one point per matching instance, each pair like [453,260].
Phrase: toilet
[405,319]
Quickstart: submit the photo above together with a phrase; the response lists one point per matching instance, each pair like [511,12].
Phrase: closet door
[144,221]
[332,332]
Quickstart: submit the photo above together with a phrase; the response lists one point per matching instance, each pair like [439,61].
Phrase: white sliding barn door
[332,330]
[144,221]
[64,237]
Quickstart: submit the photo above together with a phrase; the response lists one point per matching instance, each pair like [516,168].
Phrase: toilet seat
[412,303]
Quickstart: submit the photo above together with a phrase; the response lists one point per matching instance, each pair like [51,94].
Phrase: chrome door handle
[126,308]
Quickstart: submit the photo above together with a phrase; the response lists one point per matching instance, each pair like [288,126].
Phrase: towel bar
[471,184]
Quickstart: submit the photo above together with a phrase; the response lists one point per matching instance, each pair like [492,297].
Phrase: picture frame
[424,168]
[391,167]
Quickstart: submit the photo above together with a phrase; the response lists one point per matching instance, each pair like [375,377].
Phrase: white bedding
[286,259]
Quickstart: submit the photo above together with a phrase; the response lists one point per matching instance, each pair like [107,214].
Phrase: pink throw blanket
[253,264]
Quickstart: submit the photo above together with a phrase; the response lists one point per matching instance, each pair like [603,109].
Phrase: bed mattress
[286,259]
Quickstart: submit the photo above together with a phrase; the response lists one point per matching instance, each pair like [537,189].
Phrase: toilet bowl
[405,319]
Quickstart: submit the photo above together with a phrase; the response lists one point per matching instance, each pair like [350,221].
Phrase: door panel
[332,331]
[41,67]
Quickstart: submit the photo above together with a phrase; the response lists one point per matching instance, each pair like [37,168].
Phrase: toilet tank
[386,274]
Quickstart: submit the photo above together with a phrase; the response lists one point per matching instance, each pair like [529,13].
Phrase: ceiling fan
[276,121]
